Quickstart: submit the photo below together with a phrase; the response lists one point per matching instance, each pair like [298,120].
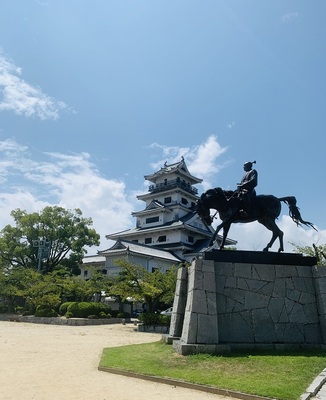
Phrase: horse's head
[203,209]
[212,198]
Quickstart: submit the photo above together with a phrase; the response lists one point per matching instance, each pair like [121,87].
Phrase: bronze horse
[265,210]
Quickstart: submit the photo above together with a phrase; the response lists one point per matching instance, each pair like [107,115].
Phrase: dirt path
[51,362]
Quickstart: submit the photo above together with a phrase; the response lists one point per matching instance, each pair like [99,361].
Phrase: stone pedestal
[319,274]
[273,301]
[179,306]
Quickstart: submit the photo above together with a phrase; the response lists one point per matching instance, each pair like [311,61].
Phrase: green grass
[277,375]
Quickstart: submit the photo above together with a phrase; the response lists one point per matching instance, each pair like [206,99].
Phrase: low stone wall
[230,300]
[164,329]
[60,320]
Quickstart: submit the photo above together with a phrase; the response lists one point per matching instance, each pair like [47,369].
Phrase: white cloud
[70,181]
[254,236]
[202,160]
[22,98]
[73,181]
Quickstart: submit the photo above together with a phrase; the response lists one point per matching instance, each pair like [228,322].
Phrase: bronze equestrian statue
[246,188]
[243,205]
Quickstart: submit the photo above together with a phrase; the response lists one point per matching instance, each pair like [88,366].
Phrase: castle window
[167,200]
[161,239]
[151,220]
[184,201]
[148,240]
[190,239]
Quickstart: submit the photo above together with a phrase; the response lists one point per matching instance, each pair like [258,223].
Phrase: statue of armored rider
[246,188]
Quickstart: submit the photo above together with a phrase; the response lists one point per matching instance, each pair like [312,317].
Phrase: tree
[99,282]
[313,251]
[66,232]
[11,282]
[25,287]
[151,288]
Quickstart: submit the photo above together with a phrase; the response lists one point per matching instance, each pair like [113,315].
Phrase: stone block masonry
[231,304]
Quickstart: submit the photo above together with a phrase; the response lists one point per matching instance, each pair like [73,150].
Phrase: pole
[39,258]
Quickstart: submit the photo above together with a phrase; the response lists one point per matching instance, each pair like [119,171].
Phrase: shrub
[3,308]
[150,318]
[123,314]
[42,311]
[84,309]
[92,317]
[49,301]
[165,319]
[102,314]
[154,319]
[27,312]
[52,313]
[64,307]
[114,313]
[69,314]
[108,316]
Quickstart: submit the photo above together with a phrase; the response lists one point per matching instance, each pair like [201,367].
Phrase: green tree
[9,286]
[26,287]
[313,251]
[99,282]
[151,288]
[67,232]
[74,288]
[44,291]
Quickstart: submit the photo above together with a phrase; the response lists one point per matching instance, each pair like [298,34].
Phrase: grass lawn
[277,375]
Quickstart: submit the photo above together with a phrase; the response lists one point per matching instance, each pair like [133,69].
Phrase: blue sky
[94,95]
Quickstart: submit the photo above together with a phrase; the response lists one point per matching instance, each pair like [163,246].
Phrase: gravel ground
[53,362]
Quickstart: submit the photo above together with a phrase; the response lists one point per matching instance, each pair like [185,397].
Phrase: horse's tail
[294,212]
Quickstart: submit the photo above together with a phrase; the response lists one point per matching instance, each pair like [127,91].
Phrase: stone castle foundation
[232,300]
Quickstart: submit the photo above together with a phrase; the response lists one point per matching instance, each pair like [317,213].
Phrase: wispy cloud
[42,2]
[289,17]
[23,98]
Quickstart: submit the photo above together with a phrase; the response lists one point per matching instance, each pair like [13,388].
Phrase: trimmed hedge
[64,306]
[154,319]
[42,311]
[3,308]
[84,309]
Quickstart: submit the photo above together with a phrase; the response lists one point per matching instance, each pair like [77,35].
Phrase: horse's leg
[225,233]
[270,244]
[226,227]
[277,233]
[213,238]
[281,234]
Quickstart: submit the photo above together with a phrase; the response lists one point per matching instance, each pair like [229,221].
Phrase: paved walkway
[317,388]
[321,394]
